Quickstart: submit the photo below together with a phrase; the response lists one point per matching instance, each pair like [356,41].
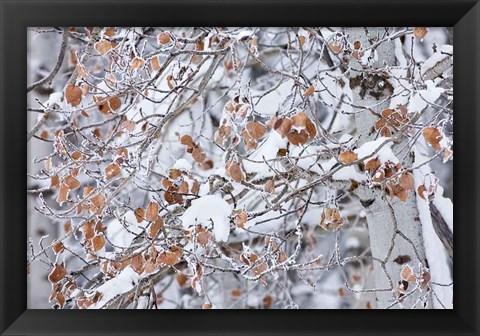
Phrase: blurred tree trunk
[394,226]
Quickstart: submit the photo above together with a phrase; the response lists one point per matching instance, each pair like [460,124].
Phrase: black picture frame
[16,15]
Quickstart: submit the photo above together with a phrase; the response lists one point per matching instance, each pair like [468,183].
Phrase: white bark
[394,226]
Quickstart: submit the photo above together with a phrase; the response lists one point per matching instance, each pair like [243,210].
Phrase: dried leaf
[73,95]
[311,129]
[63,194]
[269,186]
[139,214]
[348,157]
[155,63]
[155,228]
[58,273]
[136,63]
[283,126]
[240,218]
[98,242]
[128,125]
[407,273]
[406,181]
[420,32]
[198,155]
[187,140]
[112,170]
[105,106]
[152,211]
[234,170]
[255,129]
[309,91]
[300,119]
[297,138]
[71,182]
[164,38]
[433,137]
[57,247]
[103,47]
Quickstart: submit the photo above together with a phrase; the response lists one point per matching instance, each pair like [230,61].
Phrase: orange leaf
[152,211]
[71,182]
[58,273]
[73,94]
[112,170]
[348,157]
[155,63]
[420,32]
[164,38]
[406,181]
[234,170]
[407,274]
[139,214]
[255,129]
[136,63]
[155,228]
[103,47]
[63,194]
[309,91]
[298,138]
[98,242]
[433,137]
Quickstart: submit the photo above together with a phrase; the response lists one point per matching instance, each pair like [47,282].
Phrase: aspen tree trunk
[394,226]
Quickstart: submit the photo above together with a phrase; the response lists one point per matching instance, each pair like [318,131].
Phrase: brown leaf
[155,63]
[164,38]
[54,181]
[269,186]
[407,273]
[152,211]
[433,137]
[421,190]
[420,32]
[168,258]
[63,194]
[187,140]
[57,247]
[406,181]
[136,63]
[105,106]
[283,126]
[297,138]
[348,157]
[234,170]
[198,155]
[335,47]
[128,125]
[103,47]
[73,94]
[139,214]
[98,242]
[71,182]
[155,227]
[138,263]
[372,165]
[181,279]
[98,200]
[58,273]
[311,129]
[300,119]
[309,91]
[255,129]
[112,170]
[240,218]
